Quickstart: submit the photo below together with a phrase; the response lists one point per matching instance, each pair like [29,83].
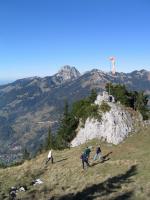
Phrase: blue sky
[37,37]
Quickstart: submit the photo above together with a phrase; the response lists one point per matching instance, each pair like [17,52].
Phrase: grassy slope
[125,176]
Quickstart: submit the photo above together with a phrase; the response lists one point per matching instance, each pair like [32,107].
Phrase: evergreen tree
[49,141]
[93,96]
[141,101]
[41,148]
[136,100]
[66,131]
[26,154]
[2,164]
[119,92]
[132,99]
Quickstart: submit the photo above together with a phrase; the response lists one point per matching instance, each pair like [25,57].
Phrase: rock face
[67,73]
[114,126]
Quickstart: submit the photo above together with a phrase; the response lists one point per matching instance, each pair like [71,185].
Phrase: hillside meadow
[123,175]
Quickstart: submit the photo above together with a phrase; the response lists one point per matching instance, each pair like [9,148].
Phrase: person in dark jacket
[84,159]
[87,152]
[98,154]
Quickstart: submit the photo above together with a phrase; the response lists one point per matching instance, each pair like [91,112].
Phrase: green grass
[125,176]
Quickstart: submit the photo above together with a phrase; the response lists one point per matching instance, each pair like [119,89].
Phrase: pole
[109,81]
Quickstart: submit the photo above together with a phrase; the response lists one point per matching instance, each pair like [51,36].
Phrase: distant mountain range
[29,106]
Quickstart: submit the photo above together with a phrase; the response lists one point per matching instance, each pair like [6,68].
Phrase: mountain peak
[68,73]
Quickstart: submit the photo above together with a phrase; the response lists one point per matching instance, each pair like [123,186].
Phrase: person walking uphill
[50,157]
[98,154]
[87,153]
[84,160]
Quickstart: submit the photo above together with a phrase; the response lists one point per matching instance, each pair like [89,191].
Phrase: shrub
[136,100]
[104,107]
[2,165]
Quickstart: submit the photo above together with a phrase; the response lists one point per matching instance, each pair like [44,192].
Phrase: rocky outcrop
[67,73]
[114,126]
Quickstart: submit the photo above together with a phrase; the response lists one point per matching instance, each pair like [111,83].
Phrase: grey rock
[114,126]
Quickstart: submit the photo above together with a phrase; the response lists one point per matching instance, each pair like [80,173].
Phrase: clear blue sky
[37,37]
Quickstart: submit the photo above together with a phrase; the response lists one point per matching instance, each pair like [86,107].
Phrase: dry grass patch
[125,175]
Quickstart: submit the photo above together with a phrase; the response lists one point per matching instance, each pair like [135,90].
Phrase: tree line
[136,100]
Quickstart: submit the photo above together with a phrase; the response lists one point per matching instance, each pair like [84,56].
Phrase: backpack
[83,156]
[87,152]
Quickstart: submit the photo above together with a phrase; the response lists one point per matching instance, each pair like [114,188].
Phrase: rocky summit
[68,73]
[114,126]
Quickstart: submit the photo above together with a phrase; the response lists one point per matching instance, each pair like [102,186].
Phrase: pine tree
[49,141]
[62,131]
[41,148]
[141,101]
[66,131]
[136,100]
[26,154]
[93,96]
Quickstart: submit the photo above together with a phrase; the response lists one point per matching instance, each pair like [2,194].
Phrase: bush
[136,100]
[2,165]
[17,163]
[26,154]
[83,109]
[104,107]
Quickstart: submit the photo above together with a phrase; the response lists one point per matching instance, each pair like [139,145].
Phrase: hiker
[98,154]
[49,157]
[12,193]
[87,152]
[84,159]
